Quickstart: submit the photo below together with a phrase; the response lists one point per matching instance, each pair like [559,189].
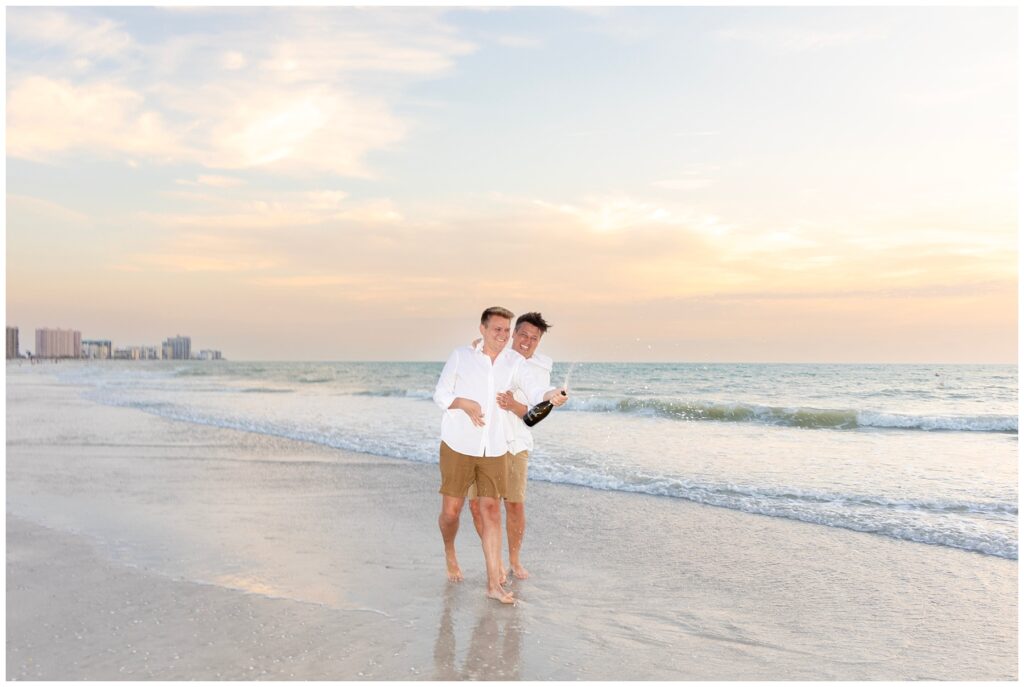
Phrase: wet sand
[143,548]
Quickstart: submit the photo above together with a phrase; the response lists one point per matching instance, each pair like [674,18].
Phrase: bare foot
[454,571]
[504,577]
[501,595]
[519,571]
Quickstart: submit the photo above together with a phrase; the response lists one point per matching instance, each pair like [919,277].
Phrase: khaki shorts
[458,471]
[516,479]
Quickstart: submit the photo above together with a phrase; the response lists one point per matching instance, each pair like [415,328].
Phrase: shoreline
[296,542]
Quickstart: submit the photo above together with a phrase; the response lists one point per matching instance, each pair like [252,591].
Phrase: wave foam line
[885,521]
[809,418]
[345,441]
[693,411]
[821,508]
[401,393]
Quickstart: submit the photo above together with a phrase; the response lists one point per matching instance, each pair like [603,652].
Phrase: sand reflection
[493,648]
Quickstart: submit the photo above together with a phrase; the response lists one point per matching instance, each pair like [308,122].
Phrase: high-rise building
[58,343]
[12,343]
[208,354]
[97,350]
[180,348]
[137,353]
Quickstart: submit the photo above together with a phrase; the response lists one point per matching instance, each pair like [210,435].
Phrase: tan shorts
[458,471]
[516,479]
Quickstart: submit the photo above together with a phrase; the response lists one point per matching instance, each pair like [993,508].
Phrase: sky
[724,184]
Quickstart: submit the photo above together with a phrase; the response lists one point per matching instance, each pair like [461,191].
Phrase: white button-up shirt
[470,374]
[538,365]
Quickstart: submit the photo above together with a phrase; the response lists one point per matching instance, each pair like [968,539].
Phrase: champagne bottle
[539,412]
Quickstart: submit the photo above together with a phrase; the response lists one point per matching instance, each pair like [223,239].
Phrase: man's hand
[557,397]
[507,402]
[471,408]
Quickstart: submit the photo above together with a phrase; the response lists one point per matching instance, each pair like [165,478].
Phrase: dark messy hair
[496,312]
[534,318]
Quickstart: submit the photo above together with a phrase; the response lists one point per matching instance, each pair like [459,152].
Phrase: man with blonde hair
[526,336]
[477,435]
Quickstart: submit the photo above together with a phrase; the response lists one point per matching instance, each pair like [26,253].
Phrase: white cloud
[289,130]
[309,281]
[280,211]
[962,241]
[100,39]
[519,41]
[370,212]
[292,95]
[47,116]
[314,57]
[309,129]
[211,180]
[620,213]
[233,60]
[325,200]
[201,252]
[598,11]
[190,262]
[267,134]
[20,206]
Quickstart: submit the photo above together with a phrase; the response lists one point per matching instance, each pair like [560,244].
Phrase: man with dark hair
[476,436]
[530,327]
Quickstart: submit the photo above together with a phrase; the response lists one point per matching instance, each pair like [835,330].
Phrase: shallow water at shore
[624,585]
[919,453]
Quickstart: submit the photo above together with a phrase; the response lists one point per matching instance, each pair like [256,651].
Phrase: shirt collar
[479,348]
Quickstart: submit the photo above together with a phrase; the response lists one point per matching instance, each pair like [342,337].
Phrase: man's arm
[507,401]
[444,393]
[471,408]
[538,390]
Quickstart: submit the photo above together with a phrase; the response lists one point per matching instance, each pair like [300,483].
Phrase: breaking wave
[811,418]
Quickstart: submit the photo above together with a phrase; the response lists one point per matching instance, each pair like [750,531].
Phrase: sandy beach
[144,548]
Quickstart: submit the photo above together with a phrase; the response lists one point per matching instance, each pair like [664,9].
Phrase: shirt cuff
[444,401]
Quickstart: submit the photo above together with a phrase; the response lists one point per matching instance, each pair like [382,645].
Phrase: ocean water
[921,453]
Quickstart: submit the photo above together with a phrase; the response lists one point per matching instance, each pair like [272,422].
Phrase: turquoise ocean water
[921,453]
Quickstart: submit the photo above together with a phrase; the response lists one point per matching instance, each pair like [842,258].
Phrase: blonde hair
[496,312]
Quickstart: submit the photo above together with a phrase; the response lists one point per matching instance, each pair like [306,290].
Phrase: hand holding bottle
[541,410]
[557,397]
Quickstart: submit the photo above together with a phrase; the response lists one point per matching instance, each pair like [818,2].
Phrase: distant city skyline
[705,184]
[68,342]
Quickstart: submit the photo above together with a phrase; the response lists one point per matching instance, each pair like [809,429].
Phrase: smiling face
[495,332]
[526,338]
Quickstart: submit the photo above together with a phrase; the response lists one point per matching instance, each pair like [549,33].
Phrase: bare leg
[478,522]
[490,510]
[515,524]
[448,521]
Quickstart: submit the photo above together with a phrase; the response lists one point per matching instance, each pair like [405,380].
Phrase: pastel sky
[675,184]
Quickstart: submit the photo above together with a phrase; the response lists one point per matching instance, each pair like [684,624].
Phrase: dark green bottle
[539,412]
